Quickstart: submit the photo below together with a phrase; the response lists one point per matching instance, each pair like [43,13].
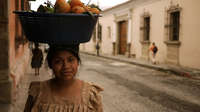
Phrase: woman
[37,58]
[64,93]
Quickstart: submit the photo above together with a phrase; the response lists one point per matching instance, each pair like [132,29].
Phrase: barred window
[174,26]
[146,28]
[99,32]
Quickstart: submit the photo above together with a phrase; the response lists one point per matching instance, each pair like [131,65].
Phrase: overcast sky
[102,3]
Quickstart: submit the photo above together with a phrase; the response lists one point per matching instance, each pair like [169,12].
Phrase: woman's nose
[66,64]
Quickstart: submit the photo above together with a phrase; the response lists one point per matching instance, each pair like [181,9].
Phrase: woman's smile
[66,72]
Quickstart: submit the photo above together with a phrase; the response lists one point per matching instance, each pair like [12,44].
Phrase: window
[174,26]
[146,28]
[99,32]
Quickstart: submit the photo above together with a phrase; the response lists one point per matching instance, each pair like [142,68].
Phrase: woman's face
[64,65]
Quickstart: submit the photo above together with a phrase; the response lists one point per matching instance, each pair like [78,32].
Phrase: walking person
[37,59]
[154,50]
[65,92]
[97,48]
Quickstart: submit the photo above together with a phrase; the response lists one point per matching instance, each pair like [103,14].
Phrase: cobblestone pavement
[128,88]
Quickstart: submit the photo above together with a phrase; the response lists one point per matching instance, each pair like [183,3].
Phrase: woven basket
[50,28]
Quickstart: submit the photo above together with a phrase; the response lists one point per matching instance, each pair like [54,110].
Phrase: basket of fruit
[65,22]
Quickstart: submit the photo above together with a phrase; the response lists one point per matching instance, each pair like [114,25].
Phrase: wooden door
[122,37]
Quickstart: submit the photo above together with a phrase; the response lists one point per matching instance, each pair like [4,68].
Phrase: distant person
[154,50]
[37,59]
[97,48]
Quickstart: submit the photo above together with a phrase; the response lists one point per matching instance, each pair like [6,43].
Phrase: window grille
[174,26]
[99,32]
[146,28]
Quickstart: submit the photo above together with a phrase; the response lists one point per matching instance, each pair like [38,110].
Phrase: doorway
[122,37]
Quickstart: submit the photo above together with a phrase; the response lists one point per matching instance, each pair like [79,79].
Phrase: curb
[178,72]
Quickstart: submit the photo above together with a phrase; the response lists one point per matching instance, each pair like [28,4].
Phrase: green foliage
[47,8]
[94,6]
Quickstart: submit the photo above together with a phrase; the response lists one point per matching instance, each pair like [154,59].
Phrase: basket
[52,28]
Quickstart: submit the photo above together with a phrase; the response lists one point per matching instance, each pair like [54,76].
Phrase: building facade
[129,29]
[14,53]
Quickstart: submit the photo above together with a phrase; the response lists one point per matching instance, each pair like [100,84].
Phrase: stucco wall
[89,46]
[106,43]
[156,11]
[18,55]
[12,32]
[189,49]
[190,41]
[189,30]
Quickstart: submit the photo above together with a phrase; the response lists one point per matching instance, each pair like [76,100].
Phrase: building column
[114,37]
[5,82]
[129,30]
[129,33]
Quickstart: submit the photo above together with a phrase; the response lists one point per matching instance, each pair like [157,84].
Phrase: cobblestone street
[128,88]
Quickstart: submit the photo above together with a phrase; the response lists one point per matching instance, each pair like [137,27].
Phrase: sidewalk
[22,88]
[177,70]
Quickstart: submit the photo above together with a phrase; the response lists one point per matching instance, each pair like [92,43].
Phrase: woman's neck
[63,83]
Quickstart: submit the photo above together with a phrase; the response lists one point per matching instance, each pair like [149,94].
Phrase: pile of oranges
[73,6]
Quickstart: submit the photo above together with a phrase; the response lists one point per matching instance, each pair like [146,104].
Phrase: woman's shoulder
[92,90]
[36,86]
[93,87]
[94,97]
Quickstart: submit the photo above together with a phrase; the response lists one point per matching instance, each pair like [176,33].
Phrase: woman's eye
[58,61]
[71,59]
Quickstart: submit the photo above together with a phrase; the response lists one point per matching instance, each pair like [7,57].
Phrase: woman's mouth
[67,72]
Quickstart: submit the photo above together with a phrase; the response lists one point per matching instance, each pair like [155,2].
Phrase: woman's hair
[53,49]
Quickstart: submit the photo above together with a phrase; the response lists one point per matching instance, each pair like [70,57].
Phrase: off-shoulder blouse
[42,100]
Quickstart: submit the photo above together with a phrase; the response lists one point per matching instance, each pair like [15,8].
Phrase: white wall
[189,51]
[190,41]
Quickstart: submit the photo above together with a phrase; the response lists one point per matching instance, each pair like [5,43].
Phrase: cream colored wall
[106,21]
[189,30]
[156,11]
[88,47]
[189,51]
[190,39]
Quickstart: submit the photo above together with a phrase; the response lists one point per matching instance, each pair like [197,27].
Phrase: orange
[87,8]
[75,3]
[95,10]
[61,6]
[78,9]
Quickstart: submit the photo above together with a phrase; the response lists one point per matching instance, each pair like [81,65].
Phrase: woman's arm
[29,104]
